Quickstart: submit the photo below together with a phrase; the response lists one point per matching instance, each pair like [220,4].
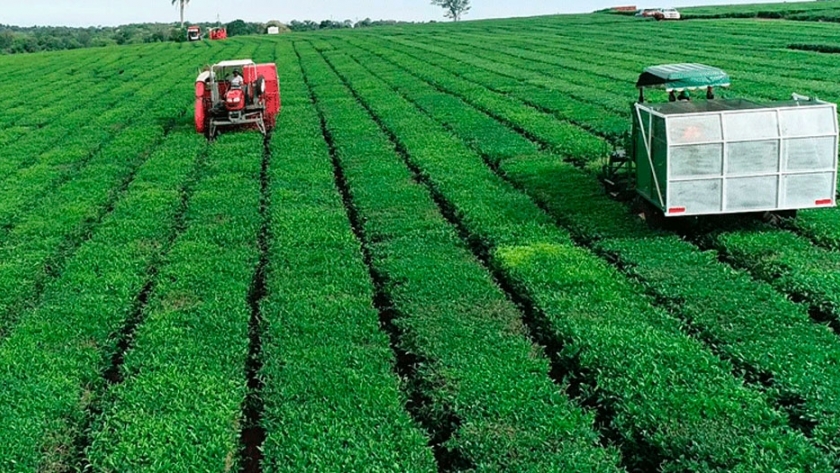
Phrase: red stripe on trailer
[676,210]
[824,202]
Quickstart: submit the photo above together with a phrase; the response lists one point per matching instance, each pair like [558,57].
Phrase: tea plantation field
[419,271]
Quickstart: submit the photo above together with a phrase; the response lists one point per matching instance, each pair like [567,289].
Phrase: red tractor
[237,95]
[218,33]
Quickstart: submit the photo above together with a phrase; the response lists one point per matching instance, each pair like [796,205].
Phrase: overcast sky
[117,12]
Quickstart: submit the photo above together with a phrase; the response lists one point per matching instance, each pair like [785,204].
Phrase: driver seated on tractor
[236,81]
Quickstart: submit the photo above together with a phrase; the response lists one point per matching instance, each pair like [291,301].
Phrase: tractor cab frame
[619,174]
[724,156]
[222,104]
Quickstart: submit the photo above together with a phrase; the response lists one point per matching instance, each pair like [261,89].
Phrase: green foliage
[177,35]
[241,28]
[56,349]
[475,367]
[188,357]
[799,10]
[330,326]
[447,286]
[725,307]
[16,40]
[58,185]
[83,245]
[528,170]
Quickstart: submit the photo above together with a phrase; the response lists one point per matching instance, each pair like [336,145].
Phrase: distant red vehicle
[218,33]
[221,103]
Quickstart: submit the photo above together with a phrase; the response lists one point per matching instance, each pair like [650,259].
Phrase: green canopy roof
[683,76]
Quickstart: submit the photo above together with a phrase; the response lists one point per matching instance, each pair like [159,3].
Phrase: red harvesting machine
[237,95]
[218,33]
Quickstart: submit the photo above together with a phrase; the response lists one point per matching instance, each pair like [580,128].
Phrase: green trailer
[710,156]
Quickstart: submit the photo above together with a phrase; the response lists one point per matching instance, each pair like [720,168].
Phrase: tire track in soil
[253,433]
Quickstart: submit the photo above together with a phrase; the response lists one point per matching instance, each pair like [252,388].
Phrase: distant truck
[660,14]
[194,33]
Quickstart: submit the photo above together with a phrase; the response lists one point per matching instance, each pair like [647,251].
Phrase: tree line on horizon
[19,40]
[453,9]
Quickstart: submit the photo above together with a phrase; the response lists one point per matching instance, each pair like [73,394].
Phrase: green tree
[182,4]
[238,28]
[178,35]
[454,8]
[7,39]
[85,38]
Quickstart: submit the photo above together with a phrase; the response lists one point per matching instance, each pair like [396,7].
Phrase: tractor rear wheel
[259,87]
[250,96]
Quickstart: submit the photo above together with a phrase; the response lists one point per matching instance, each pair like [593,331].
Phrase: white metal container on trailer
[732,156]
[711,157]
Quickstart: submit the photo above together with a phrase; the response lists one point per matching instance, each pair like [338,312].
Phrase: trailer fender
[200,87]
[200,112]
[200,116]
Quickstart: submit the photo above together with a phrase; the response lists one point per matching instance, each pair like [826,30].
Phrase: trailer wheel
[651,214]
[778,217]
